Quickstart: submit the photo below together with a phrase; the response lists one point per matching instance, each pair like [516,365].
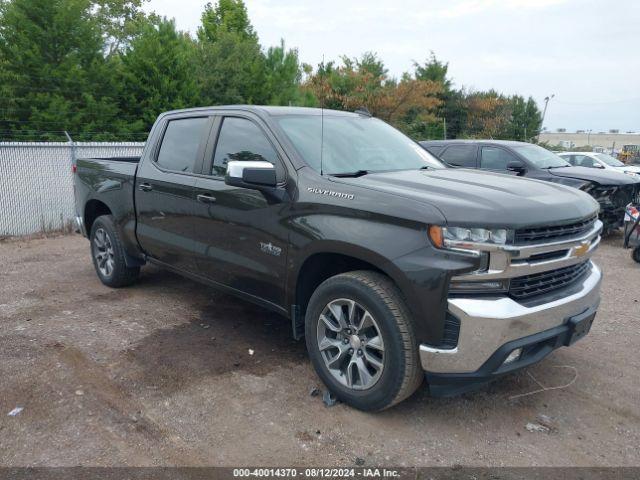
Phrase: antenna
[321,114]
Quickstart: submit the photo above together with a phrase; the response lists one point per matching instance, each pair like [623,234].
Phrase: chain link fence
[36,182]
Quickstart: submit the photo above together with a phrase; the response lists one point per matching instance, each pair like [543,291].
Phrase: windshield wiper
[556,166]
[357,173]
[426,167]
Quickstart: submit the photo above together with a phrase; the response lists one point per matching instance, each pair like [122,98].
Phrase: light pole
[589,137]
[544,112]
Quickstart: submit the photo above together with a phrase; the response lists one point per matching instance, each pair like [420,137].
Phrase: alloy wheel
[351,344]
[103,252]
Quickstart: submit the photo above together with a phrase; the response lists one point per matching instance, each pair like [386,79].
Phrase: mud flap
[297,322]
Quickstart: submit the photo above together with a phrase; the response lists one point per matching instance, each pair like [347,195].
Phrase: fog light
[513,356]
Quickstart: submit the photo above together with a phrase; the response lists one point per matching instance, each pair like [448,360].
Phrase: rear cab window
[460,155]
[181,143]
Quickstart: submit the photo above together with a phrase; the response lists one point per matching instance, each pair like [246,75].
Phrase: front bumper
[488,324]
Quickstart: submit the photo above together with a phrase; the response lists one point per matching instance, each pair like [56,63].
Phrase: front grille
[539,283]
[544,234]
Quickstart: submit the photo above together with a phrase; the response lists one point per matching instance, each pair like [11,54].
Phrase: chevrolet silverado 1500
[393,266]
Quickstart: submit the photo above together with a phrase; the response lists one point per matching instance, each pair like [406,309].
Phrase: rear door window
[181,144]
[494,158]
[460,155]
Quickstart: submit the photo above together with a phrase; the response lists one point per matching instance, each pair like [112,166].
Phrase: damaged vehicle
[613,190]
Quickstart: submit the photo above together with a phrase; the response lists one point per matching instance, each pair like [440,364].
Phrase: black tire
[119,275]
[401,373]
[635,254]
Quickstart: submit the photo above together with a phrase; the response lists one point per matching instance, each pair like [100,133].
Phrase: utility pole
[544,112]
[444,128]
[589,137]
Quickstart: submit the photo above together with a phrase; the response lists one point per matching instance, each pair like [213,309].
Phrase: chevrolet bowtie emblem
[581,250]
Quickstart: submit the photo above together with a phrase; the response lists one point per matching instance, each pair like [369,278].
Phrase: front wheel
[635,254]
[360,339]
[108,254]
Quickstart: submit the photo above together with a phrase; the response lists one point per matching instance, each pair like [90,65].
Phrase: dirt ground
[161,374]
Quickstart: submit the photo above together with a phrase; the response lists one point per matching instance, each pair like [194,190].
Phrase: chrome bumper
[487,324]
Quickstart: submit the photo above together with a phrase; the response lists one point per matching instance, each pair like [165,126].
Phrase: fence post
[72,144]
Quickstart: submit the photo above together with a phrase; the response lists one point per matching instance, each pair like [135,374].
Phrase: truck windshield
[353,144]
[609,160]
[541,157]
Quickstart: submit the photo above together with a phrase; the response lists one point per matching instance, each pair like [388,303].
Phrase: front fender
[401,250]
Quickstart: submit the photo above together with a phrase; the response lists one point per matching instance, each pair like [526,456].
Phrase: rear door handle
[145,187]
[206,199]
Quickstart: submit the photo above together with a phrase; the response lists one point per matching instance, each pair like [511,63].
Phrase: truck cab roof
[266,110]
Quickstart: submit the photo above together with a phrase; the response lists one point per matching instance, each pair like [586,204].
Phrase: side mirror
[597,165]
[516,166]
[250,174]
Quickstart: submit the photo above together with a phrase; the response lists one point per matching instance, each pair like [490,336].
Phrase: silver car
[599,160]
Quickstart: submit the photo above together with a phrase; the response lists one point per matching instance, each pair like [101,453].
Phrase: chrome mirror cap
[236,168]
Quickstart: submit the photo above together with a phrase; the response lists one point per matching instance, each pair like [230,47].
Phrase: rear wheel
[360,339]
[635,254]
[108,254]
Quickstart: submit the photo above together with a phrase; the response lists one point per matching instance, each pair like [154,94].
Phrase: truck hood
[482,199]
[596,175]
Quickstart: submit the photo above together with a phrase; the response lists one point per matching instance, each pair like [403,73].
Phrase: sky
[585,53]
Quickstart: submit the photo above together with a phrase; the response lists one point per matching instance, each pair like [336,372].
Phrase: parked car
[600,160]
[612,190]
[390,264]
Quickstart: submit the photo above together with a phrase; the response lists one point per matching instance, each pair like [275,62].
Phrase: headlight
[633,174]
[458,237]
[476,241]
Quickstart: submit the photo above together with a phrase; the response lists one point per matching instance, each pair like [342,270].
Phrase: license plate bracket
[579,326]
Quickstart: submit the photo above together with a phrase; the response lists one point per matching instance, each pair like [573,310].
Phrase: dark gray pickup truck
[391,265]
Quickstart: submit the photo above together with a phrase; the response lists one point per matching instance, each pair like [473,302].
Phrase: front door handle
[206,199]
[145,187]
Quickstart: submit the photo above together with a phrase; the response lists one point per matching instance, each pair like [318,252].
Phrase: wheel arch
[327,260]
[92,210]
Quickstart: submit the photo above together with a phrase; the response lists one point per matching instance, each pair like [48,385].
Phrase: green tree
[526,118]
[434,70]
[227,16]
[156,73]
[54,75]
[231,67]
[452,111]
[231,70]
[283,76]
